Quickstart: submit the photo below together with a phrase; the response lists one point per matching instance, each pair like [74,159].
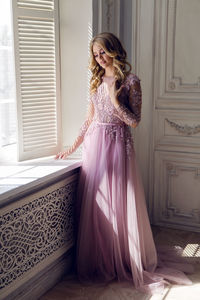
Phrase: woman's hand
[63,155]
[114,93]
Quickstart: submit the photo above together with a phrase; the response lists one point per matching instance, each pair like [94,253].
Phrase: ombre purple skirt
[114,238]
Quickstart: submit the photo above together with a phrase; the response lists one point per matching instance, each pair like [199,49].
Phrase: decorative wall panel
[34,231]
[176,122]
[109,16]
[177,130]
[177,53]
[177,190]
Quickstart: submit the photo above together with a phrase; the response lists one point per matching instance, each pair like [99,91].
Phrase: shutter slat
[37,112]
[37,60]
[42,116]
[36,35]
[35,28]
[36,4]
[32,128]
[24,31]
[39,80]
[37,137]
[35,48]
[37,64]
[38,107]
[37,85]
[36,52]
[40,143]
[38,76]
[35,69]
[38,96]
[41,146]
[34,131]
[45,122]
[31,44]
[34,23]
[27,39]
[37,93]
[26,26]
[38,100]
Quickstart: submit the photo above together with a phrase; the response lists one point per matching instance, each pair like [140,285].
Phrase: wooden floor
[70,288]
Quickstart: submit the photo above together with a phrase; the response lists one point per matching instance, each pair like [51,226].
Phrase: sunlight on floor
[182,293]
[192,250]
[70,288]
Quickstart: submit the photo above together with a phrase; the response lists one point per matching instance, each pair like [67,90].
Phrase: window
[36,49]
[7,81]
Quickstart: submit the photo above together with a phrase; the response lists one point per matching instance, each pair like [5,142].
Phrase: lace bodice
[130,103]
[102,110]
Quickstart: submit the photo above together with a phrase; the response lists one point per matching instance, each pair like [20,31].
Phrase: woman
[114,235]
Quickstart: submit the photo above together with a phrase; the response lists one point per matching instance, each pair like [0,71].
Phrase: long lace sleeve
[82,132]
[84,127]
[131,115]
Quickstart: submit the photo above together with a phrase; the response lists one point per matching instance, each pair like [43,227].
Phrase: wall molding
[174,82]
[171,90]
[177,131]
[171,171]
[109,16]
[184,129]
[136,43]
[171,210]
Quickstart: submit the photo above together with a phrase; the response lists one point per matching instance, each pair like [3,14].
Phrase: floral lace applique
[105,112]
[115,132]
[101,111]
[129,110]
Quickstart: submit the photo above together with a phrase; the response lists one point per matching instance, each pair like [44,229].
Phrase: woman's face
[101,57]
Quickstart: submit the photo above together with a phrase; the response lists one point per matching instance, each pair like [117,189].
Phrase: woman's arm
[78,141]
[130,117]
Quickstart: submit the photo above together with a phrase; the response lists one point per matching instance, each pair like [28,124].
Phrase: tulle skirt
[114,239]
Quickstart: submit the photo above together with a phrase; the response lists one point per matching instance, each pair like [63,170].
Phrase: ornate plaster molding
[171,210]
[171,80]
[184,129]
[34,231]
[109,4]
[109,16]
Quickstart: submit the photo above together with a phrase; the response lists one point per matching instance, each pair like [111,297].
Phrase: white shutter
[36,42]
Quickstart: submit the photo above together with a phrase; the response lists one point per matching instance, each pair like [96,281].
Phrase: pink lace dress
[114,235]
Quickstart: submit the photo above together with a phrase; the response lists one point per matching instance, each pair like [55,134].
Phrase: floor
[70,288]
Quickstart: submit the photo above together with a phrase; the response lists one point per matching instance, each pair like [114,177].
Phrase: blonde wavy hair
[113,48]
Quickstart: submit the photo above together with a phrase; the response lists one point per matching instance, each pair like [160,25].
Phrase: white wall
[75,20]
[143,47]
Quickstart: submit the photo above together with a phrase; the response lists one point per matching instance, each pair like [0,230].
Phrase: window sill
[20,179]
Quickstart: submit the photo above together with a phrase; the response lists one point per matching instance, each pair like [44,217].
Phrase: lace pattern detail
[129,110]
[135,100]
[35,230]
[115,132]
[105,111]
[84,128]
[126,115]
[101,109]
